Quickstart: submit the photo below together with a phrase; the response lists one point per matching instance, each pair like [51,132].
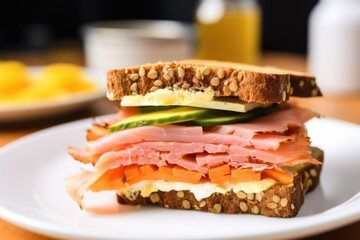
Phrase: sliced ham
[149,153]
[139,134]
[212,160]
[76,185]
[194,156]
[277,122]
[271,141]
[284,153]
[170,133]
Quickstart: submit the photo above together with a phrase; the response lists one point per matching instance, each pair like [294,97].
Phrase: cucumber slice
[231,118]
[174,115]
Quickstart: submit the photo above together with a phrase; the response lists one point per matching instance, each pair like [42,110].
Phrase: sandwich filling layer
[218,158]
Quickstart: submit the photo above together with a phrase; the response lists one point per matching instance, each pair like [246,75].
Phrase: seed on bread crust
[206,71]
[180,194]
[276,198]
[170,72]
[153,74]
[215,81]
[233,86]
[154,197]
[241,195]
[142,72]
[198,74]
[181,72]
[158,83]
[166,77]
[220,73]
[283,202]
[250,196]
[258,196]
[134,76]
[243,206]
[134,87]
[217,208]
[272,205]
[186,204]
[255,210]
[313,172]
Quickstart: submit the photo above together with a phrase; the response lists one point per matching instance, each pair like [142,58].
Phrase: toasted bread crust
[277,201]
[249,83]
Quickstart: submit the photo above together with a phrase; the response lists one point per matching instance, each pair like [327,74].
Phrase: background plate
[52,107]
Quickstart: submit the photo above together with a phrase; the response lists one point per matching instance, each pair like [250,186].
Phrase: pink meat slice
[139,134]
[271,141]
[169,133]
[153,153]
[77,185]
[279,122]
[285,153]
[194,156]
[212,160]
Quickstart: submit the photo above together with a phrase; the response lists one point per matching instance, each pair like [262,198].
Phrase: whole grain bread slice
[247,82]
[277,201]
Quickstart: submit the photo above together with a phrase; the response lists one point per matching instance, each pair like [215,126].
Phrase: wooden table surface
[342,107]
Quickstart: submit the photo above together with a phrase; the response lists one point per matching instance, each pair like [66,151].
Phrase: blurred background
[39,25]
[319,37]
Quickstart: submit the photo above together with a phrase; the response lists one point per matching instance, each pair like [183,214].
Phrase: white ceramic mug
[128,43]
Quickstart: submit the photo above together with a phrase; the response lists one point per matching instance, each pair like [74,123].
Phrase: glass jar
[228,30]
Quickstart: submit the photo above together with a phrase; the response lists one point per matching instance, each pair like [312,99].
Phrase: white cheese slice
[203,99]
[200,191]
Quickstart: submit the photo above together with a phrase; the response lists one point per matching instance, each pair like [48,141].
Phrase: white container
[334,46]
[128,43]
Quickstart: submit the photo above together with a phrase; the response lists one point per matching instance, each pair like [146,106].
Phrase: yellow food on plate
[14,76]
[18,84]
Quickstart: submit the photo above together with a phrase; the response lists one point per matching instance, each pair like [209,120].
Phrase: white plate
[32,192]
[52,107]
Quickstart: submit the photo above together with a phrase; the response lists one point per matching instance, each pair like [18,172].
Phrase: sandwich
[212,136]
